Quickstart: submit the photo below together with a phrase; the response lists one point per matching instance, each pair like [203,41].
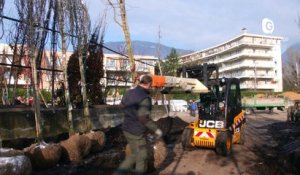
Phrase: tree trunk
[32,56]
[64,65]
[127,38]
[86,112]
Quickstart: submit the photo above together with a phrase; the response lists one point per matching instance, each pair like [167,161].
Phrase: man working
[137,107]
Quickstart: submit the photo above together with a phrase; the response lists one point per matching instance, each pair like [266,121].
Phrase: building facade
[7,71]
[116,68]
[254,59]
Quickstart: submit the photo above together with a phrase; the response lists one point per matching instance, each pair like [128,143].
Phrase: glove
[158,133]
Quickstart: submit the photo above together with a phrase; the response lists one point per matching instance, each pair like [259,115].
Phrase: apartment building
[117,69]
[7,59]
[254,59]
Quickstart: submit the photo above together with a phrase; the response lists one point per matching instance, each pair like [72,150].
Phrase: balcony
[247,64]
[229,47]
[258,86]
[245,75]
[118,83]
[258,44]
[143,69]
[110,68]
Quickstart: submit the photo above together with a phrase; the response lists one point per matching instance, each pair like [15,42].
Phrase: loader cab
[223,102]
[208,106]
[232,100]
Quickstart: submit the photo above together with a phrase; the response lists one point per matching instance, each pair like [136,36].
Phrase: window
[125,64]
[233,95]
[142,66]
[110,64]
[111,79]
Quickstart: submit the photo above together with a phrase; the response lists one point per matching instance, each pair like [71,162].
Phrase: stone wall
[19,122]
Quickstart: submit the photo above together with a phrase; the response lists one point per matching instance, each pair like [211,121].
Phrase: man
[137,107]
[193,108]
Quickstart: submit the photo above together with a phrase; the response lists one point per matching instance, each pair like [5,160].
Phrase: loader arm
[172,84]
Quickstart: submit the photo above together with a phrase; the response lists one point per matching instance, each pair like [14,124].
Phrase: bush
[47,95]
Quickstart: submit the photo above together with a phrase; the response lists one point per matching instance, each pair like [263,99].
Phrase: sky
[198,24]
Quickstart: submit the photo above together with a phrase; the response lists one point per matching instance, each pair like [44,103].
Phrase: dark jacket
[136,122]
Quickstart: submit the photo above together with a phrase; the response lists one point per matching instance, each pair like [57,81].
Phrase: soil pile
[291,95]
[284,158]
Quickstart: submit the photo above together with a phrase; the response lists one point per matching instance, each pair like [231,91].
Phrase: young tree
[79,28]
[64,21]
[94,66]
[93,73]
[2,3]
[171,63]
[124,25]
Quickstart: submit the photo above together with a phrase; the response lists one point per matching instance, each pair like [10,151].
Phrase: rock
[43,156]
[9,152]
[76,148]
[14,162]
[98,140]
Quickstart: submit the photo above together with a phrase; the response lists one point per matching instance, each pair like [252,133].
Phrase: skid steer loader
[221,121]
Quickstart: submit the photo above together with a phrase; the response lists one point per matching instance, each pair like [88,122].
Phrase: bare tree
[34,20]
[80,27]
[2,3]
[291,70]
[34,11]
[124,25]
[3,85]
[63,14]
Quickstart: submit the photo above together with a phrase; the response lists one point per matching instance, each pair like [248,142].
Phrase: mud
[284,158]
[272,148]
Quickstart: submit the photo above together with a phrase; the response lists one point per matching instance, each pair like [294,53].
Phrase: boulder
[14,162]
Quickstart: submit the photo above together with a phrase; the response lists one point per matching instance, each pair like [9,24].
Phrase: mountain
[144,48]
[295,48]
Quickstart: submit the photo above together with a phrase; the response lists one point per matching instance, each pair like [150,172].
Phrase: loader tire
[292,117]
[248,111]
[288,116]
[242,135]
[224,143]
[186,138]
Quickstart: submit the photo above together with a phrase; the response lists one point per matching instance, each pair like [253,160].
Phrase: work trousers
[138,156]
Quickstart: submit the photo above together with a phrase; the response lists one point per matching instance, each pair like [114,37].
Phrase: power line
[56,70]
[29,67]
[71,35]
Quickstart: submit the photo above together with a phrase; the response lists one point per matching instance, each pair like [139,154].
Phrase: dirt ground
[272,147]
